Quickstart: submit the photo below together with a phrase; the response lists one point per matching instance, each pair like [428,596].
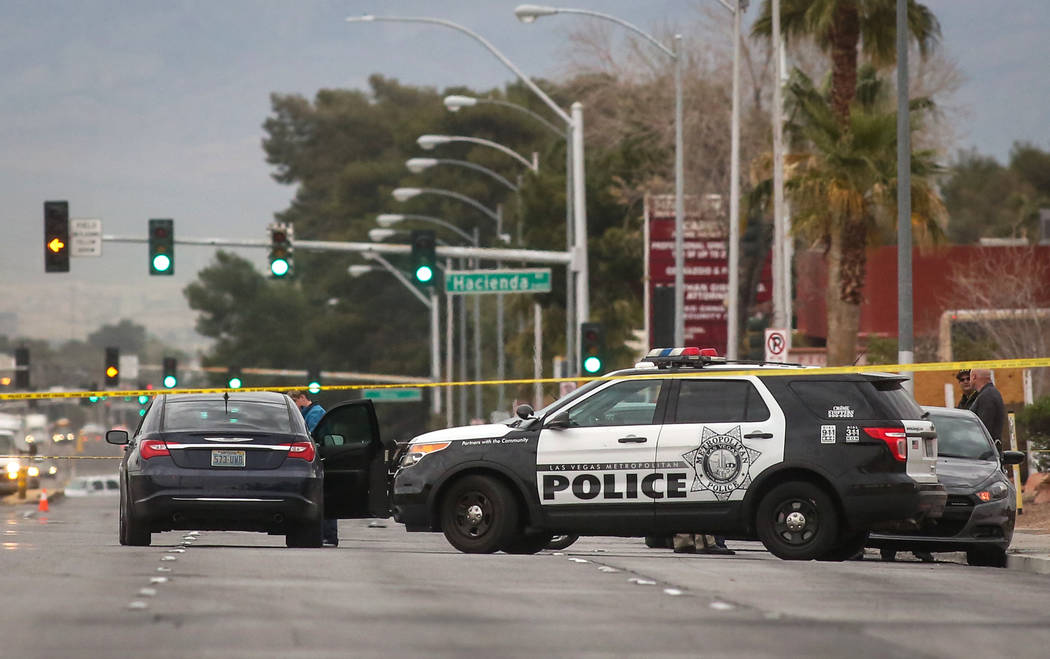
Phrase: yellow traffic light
[112,372]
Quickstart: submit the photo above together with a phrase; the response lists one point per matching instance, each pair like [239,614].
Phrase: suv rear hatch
[921,436]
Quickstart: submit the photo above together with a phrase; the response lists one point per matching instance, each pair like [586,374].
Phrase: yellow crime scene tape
[1038,362]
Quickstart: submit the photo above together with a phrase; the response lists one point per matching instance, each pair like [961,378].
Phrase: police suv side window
[629,403]
[834,399]
[719,401]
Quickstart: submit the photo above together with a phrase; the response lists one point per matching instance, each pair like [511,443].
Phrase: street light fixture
[404,194]
[528,14]
[418,165]
[428,142]
[387,220]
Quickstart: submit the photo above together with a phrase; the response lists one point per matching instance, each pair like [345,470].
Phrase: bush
[1033,428]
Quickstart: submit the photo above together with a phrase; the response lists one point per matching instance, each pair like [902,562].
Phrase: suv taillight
[301,451]
[896,439]
[151,448]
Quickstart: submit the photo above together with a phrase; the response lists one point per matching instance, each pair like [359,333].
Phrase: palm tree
[842,180]
[839,26]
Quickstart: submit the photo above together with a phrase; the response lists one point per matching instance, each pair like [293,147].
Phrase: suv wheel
[797,521]
[479,515]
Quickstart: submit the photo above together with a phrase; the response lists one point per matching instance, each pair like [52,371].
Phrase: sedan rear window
[219,415]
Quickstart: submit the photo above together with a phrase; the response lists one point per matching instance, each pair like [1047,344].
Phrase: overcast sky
[131,110]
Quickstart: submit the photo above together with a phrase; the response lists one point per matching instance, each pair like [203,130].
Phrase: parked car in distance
[982,502]
[87,486]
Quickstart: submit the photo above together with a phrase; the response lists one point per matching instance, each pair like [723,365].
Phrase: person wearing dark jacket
[968,394]
[312,413]
[988,403]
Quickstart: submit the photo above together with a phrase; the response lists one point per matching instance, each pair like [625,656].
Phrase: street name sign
[85,237]
[471,282]
[408,395]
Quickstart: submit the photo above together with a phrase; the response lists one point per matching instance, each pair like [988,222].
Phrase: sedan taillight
[151,448]
[896,439]
[301,451]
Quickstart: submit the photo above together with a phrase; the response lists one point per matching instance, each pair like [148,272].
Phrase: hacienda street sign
[470,282]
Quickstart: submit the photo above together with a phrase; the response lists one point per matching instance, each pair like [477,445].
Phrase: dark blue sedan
[245,462]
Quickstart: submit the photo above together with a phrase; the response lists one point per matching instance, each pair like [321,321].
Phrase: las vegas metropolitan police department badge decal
[722,463]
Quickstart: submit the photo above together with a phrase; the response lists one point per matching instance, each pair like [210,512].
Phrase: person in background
[968,394]
[988,404]
[312,413]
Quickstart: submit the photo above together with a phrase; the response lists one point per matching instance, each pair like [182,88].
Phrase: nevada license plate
[220,458]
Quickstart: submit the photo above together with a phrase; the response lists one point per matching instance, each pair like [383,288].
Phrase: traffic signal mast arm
[449,251]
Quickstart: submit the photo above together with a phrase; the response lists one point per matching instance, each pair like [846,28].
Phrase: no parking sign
[778,342]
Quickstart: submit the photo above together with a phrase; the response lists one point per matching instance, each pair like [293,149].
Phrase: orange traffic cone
[43,501]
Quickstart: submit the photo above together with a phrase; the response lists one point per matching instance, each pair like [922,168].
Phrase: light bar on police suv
[682,356]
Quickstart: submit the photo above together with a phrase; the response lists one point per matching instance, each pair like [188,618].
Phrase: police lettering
[587,487]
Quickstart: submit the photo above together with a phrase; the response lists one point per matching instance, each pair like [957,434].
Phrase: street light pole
[779,321]
[733,311]
[905,330]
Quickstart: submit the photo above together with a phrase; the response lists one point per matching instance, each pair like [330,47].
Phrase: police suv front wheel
[479,515]
[797,521]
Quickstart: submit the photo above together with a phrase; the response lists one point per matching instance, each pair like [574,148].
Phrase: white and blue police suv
[806,462]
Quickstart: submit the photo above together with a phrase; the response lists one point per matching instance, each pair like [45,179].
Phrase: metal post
[679,201]
[462,304]
[435,352]
[537,355]
[477,343]
[905,338]
[778,175]
[448,351]
[570,282]
[579,200]
[501,357]
[733,310]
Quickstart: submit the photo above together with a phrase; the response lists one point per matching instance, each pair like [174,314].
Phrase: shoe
[721,551]
[688,549]
[924,556]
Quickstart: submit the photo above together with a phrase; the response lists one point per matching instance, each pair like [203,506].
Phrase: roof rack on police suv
[699,358]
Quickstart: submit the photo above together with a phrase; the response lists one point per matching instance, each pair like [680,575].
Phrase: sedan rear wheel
[136,533]
[986,557]
[479,515]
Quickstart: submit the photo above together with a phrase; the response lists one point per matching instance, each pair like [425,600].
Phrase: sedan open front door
[355,462]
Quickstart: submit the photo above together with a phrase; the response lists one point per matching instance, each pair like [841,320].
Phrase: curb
[1038,564]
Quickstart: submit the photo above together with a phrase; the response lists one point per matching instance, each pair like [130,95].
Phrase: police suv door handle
[631,439]
[758,434]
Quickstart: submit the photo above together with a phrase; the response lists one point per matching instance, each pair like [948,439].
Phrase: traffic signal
[162,247]
[280,250]
[233,380]
[592,349]
[424,257]
[313,380]
[171,378]
[22,368]
[112,367]
[56,236]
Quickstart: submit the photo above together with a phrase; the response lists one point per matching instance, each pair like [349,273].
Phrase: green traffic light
[142,412]
[235,383]
[424,274]
[279,267]
[314,387]
[161,262]
[170,381]
[592,364]
[143,400]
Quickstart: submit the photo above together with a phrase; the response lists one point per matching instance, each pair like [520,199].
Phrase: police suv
[684,442]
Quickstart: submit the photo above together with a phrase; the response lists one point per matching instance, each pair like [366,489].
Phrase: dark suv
[808,463]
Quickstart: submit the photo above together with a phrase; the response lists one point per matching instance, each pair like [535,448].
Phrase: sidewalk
[1030,552]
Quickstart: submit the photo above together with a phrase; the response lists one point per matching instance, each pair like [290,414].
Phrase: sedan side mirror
[117,436]
[558,421]
[1013,457]
[524,411]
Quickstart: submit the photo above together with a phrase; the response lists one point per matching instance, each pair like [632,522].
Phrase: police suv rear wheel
[479,515]
[797,521]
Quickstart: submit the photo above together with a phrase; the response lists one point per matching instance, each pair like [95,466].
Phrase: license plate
[220,458]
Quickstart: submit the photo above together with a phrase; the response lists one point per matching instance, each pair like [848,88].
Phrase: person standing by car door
[968,394]
[988,404]
[313,413]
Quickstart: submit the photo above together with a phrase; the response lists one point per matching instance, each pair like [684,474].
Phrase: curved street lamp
[387,220]
[455,102]
[428,142]
[417,165]
[404,194]
[574,123]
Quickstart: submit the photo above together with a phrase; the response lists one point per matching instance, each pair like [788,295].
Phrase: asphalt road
[69,590]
